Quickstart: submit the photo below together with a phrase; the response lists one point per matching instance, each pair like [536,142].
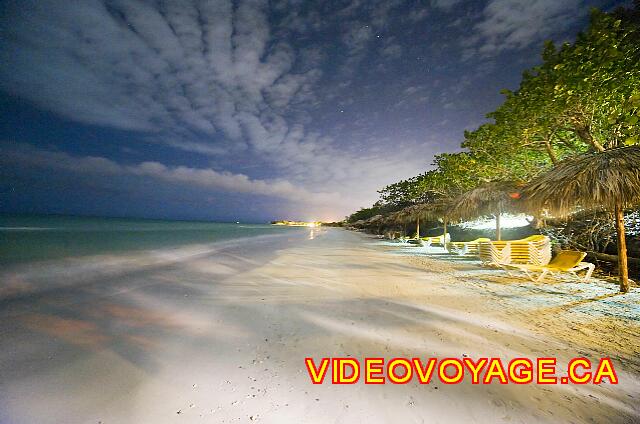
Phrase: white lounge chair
[429,241]
[463,248]
[534,250]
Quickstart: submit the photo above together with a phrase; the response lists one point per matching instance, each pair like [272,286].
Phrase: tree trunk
[623,270]
[498,232]
[550,152]
[613,259]
[418,228]
[445,231]
[539,221]
[585,135]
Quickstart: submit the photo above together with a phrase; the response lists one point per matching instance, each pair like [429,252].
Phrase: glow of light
[506,221]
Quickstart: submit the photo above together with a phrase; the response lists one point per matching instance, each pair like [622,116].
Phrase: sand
[219,334]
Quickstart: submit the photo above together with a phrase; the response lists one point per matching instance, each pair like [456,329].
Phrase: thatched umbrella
[442,209]
[438,209]
[432,210]
[401,217]
[410,213]
[374,221]
[609,180]
[395,218]
[358,224]
[490,198]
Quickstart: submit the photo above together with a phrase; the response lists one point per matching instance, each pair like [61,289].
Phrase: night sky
[249,110]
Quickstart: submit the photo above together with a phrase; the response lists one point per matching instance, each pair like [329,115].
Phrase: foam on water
[36,238]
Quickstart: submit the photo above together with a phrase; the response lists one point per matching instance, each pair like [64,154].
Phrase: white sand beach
[218,334]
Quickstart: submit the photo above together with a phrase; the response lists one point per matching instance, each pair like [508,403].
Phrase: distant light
[506,221]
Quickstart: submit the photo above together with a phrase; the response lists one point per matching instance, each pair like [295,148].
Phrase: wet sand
[219,334]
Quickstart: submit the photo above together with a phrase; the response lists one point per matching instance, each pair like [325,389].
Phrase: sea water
[35,238]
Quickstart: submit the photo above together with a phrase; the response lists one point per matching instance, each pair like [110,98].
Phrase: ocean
[37,238]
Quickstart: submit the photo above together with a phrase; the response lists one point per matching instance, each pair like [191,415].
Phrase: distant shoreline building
[297,223]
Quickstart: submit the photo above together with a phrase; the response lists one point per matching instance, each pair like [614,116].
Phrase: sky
[249,110]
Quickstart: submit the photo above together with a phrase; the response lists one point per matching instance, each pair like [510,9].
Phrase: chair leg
[542,275]
[587,277]
[529,275]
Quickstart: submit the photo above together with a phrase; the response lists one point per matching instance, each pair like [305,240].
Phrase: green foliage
[584,96]
[377,209]
[597,82]
[453,174]
[363,213]
[404,193]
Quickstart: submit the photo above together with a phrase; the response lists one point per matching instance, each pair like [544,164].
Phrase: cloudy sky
[247,109]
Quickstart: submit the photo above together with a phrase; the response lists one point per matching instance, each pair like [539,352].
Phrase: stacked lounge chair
[498,256]
[463,248]
[535,250]
[440,240]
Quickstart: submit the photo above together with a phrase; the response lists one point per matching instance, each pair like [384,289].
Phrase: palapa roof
[374,219]
[401,216]
[431,210]
[589,181]
[394,217]
[438,208]
[487,198]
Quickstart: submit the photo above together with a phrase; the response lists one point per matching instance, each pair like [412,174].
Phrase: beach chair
[499,257]
[567,261]
[409,240]
[534,250]
[463,248]
[429,241]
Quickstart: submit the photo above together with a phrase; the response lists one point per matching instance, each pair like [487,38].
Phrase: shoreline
[222,337]
[67,271]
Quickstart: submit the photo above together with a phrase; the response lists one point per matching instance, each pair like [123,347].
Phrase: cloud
[518,24]
[357,37]
[445,5]
[188,67]
[417,15]
[217,78]
[391,51]
[381,11]
[343,192]
[25,155]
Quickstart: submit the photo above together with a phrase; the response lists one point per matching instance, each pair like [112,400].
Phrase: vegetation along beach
[320,212]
